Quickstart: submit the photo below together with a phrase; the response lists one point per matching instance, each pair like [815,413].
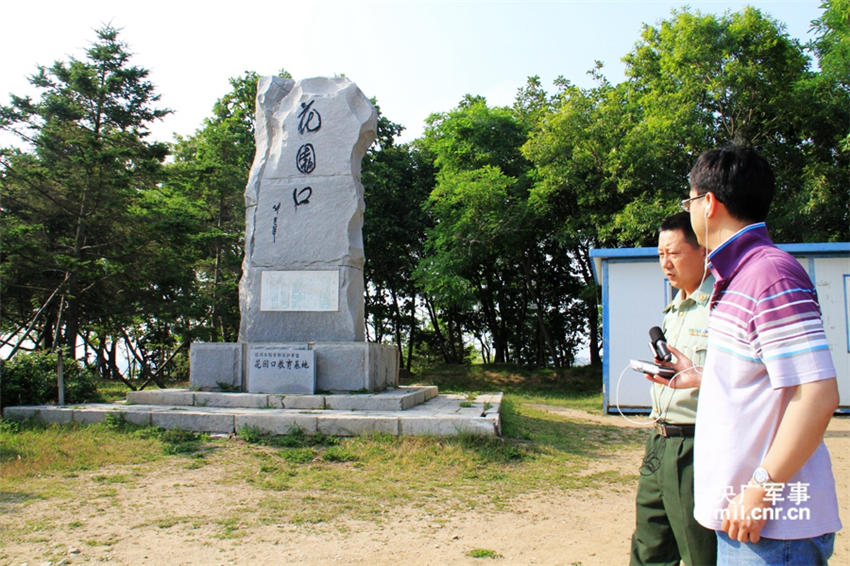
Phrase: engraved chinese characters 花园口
[303,268]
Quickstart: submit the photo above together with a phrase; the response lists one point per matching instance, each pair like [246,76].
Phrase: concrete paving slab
[21,413]
[241,400]
[363,402]
[448,425]
[140,418]
[88,416]
[24,412]
[49,413]
[391,399]
[417,398]
[304,402]
[59,415]
[180,397]
[277,421]
[199,421]
[441,415]
[352,424]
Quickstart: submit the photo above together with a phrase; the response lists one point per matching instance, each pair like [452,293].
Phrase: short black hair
[739,177]
[681,221]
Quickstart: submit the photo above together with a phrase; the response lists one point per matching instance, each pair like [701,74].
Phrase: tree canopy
[77,250]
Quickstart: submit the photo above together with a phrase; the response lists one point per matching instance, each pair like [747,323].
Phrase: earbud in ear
[705,215]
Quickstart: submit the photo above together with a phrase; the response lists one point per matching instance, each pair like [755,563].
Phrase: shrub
[30,379]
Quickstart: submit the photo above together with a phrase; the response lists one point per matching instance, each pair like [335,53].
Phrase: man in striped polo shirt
[763,477]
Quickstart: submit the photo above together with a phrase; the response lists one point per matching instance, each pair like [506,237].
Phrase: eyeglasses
[686,204]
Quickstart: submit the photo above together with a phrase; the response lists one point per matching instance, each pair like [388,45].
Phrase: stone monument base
[294,368]
[215,366]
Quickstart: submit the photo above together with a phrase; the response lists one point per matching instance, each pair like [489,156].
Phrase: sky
[416,58]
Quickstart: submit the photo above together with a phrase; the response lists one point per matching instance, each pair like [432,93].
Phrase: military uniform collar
[701,295]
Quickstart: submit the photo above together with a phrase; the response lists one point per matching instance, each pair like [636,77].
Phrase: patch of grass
[108,493]
[112,540]
[483,553]
[116,478]
[363,476]
[280,481]
[251,434]
[171,521]
[569,383]
[182,441]
[198,461]
[112,390]
[34,449]
[232,527]
[295,438]
[167,522]
[339,454]
[298,455]
[33,454]
[38,525]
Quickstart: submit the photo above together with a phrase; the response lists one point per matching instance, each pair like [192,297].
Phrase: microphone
[659,344]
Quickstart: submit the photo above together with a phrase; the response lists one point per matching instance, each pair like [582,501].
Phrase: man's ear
[710,205]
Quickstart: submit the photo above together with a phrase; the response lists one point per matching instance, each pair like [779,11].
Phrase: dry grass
[313,479]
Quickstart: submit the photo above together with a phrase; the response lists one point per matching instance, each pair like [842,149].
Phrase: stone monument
[301,293]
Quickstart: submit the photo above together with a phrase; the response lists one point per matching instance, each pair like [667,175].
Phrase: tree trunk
[46,338]
[412,331]
[547,337]
[397,324]
[488,307]
[73,316]
[435,322]
[583,254]
[217,319]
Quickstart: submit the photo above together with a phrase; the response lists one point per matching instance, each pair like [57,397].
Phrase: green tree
[825,129]
[578,153]
[210,171]
[396,178]
[475,149]
[704,81]
[612,161]
[71,233]
[490,268]
[832,46]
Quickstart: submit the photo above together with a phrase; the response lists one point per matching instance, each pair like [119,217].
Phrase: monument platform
[401,411]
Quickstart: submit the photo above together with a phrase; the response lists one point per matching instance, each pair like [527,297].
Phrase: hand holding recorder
[665,369]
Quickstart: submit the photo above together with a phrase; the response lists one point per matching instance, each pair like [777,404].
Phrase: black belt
[667,430]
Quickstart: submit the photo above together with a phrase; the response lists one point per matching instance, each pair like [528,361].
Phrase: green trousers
[666,531]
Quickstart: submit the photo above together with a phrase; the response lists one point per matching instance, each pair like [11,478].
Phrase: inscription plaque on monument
[276,369]
[300,291]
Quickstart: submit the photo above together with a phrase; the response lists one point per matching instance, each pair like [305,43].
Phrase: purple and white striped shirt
[765,337]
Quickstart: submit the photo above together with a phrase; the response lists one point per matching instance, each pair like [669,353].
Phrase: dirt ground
[575,528]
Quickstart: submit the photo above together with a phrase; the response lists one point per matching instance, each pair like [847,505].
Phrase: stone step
[442,415]
[399,399]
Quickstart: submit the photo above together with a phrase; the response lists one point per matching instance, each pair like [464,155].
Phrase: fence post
[60,376]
